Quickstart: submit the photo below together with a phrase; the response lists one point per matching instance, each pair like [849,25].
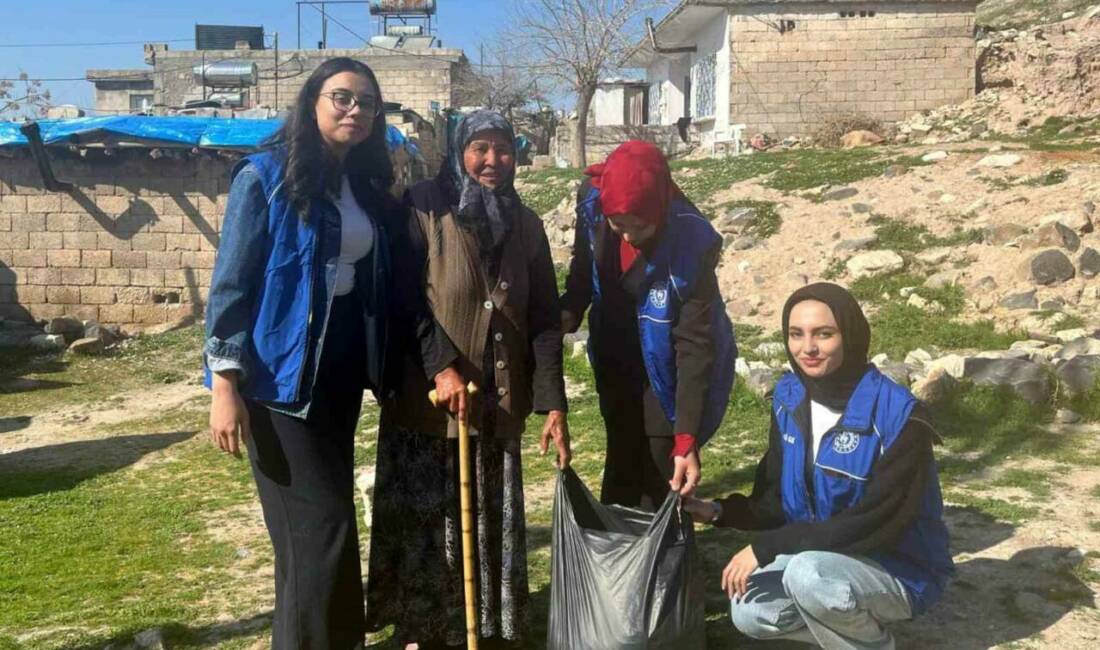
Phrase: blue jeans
[827,599]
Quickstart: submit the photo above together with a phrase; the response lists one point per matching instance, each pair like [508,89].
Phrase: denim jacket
[272,289]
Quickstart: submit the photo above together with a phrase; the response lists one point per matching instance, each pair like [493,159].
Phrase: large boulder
[1052,234]
[1001,160]
[1027,379]
[1051,267]
[1088,264]
[1083,346]
[47,342]
[1002,233]
[935,387]
[71,328]
[88,346]
[860,138]
[874,262]
[1078,375]
[1021,300]
[1077,220]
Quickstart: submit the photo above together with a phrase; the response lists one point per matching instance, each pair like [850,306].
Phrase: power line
[108,43]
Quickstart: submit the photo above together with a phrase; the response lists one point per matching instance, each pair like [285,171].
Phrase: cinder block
[64,258]
[78,277]
[29,258]
[147,277]
[164,260]
[200,260]
[150,314]
[44,203]
[113,242]
[128,259]
[63,295]
[30,294]
[93,259]
[133,295]
[147,241]
[43,276]
[81,311]
[116,314]
[112,276]
[45,311]
[97,295]
[183,242]
[46,240]
[62,221]
[13,204]
[28,222]
[113,206]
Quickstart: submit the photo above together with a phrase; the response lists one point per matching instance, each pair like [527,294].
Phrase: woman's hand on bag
[450,391]
[228,415]
[686,473]
[702,512]
[557,429]
[735,577]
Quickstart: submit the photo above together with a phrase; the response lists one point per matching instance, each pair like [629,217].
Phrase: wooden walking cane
[467,519]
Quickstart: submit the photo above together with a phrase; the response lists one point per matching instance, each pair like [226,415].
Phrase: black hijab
[834,389]
[487,213]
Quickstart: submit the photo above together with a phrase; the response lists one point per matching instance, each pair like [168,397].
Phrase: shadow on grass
[179,635]
[61,467]
[14,423]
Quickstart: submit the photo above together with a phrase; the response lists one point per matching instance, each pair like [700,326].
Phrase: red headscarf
[634,179]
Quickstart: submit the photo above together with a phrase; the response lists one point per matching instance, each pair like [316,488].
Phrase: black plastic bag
[622,578]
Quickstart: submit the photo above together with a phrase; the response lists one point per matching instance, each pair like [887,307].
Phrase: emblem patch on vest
[846,442]
[658,295]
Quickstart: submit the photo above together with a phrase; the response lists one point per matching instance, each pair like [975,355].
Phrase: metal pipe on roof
[33,133]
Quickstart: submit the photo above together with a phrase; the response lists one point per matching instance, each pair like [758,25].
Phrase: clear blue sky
[461,23]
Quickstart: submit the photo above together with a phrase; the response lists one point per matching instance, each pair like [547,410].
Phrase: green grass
[899,236]
[140,362]
[997,509]
[1037,483]
[100,550]
[898,328]
[787,171]
[1046,136]
[543,190]
[1052,177]
[766,220]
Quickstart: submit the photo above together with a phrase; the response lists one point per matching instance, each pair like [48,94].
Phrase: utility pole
[324,28]
[276,107]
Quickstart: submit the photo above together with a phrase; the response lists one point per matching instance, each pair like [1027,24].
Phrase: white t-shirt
[822,419]
[356,237]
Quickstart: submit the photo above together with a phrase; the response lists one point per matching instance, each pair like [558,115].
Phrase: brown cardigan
[519,315]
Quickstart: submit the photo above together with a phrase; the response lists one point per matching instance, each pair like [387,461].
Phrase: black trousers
[638,466]
[305,479]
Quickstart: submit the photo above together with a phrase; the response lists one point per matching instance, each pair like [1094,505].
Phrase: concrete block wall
[908,57]
[413,80]
[133,243]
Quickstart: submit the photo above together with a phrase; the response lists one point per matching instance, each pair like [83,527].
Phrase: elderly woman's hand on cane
[450,391]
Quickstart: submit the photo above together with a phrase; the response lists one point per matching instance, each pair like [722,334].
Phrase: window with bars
[655,96]
[704,79]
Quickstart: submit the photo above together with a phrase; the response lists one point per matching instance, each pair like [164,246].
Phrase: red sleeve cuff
[684,444]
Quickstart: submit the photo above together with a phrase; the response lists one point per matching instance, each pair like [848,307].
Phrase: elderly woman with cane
[482,262]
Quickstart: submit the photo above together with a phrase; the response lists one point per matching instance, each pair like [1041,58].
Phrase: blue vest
[294,298]
[876,413]
[672,273]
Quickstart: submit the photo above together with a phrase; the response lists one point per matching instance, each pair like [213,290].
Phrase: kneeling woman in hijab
[482,262]
[847,497]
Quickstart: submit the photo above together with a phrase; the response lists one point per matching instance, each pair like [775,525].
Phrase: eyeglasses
[344,102]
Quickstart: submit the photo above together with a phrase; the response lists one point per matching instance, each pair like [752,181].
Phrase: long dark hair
[308,165]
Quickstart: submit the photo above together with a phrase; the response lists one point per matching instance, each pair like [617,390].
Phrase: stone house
[423,79]
[783,67]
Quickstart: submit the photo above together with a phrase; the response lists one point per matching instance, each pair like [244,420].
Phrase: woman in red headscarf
[660,343]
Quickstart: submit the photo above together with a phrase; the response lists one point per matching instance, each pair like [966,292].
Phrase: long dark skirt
[415,571]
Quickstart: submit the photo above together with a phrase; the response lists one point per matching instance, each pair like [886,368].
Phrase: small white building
[620,102]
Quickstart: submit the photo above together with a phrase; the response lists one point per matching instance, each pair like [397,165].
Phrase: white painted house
[783,67]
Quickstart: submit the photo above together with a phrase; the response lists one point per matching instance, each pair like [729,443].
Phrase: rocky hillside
[1025,13]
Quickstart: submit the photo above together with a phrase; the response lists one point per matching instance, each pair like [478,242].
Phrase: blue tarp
[210,132]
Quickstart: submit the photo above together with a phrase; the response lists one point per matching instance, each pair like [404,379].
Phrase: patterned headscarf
[486,212]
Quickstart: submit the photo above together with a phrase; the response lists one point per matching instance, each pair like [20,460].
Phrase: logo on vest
[789,439]
[658,295]
[846,442]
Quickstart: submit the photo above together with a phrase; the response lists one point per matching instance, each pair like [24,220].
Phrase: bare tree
[578,42]
[499,83]
[24,98]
